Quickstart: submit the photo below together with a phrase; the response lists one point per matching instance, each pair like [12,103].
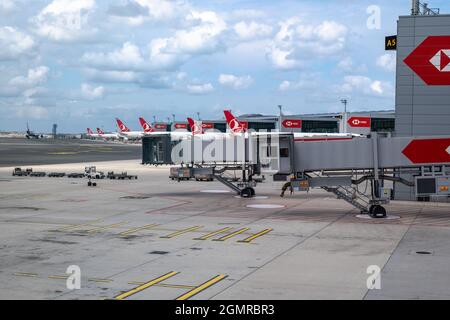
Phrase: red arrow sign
[428,151]
[431,60]
[360,122]
[296,124]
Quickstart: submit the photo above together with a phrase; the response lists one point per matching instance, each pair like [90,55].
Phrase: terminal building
[354,122]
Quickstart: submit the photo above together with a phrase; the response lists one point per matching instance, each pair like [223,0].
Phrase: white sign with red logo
[292,124]
[360,122]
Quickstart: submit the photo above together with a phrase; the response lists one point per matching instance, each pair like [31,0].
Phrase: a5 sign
[360,122]
[292,124]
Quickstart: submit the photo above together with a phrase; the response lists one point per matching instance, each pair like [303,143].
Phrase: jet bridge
[337,165]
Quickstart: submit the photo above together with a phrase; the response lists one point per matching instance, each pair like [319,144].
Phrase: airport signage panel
[292,124]
[431,61]
[428,151]
[181,126]
[160,126]
[360,122]
[390,43]
[207,125]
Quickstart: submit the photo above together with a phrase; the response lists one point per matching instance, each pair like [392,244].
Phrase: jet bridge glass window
[284,152]
[382,125]
[315,126]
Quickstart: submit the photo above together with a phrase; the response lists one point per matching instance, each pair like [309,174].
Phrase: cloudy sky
[81,63]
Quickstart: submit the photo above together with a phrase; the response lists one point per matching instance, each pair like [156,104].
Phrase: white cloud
[15,44]
[285,85]
[348,65]
[126,58]
[202,38]
[365,85]
[65,20]
[7,5]
[296,42]
[35,77]
[32,112]
[235,82]
[200,88]
[252,30]
[92,93]
[306,81]
[164,54]
[137,12]
[387,62]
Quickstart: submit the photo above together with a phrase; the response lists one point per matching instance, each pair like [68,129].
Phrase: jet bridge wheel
[377,212]
[248,192]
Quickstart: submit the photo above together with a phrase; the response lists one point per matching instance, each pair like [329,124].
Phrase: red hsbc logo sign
[360,122]
[431,61]
[292,124]
[207,125]
[180,126]
[160,126]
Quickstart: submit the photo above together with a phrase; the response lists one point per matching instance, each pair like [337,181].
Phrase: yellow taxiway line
[231,235]
[175,234]
[257,235]
[78,225]
[202,287]
[212,234]
[131,231]
[107,227]
[145,285]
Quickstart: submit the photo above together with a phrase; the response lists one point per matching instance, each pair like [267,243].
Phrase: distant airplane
[31,135]
[91,134]
[107,135]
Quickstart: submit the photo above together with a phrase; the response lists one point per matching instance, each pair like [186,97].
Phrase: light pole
[344,118]
[280,121]
[198,116]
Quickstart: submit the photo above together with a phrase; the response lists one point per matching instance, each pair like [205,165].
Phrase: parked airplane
[196,127]
[103,135]
[91,134]
[125,132]
[238,127]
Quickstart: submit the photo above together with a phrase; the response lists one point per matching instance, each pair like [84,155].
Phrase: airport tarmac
[153,238]
[24,152]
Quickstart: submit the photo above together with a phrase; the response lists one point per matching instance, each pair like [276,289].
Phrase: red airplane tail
[147,128]
[122,126]
[100,131]
[196,126]
[89,131]
[233,123]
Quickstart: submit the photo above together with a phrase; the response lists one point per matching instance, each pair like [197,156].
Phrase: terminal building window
[222,127]
[320,126]
[258,126]
[383,125]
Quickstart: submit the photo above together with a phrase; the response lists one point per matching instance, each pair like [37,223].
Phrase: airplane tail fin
[147,127]
[100,131]
[233,123]
[89,131]
[122,126]
[196,126]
